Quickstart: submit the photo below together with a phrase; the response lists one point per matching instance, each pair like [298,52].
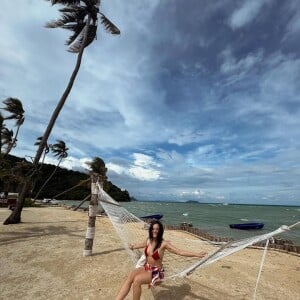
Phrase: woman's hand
[131,246]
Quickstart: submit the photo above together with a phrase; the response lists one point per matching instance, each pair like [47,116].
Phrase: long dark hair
[159,235]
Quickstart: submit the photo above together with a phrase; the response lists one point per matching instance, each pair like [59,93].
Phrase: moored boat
[152,217]
[247,226]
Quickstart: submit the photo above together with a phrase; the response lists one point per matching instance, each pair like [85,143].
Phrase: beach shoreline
[41,258]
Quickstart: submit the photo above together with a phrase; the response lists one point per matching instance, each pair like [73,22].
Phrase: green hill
[62,180]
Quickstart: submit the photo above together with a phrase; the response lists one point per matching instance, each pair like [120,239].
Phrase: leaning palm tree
[15,108]
[60,151]
[97,165]
[81,17]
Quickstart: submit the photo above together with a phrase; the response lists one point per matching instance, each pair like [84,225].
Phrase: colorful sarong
[157,274]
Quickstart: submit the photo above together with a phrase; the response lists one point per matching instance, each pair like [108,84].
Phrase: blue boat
[152,217]
[247,226]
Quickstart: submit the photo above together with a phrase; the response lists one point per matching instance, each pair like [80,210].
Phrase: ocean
[215,218]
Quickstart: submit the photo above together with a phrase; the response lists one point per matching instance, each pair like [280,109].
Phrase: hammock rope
[260,268]
[132,229]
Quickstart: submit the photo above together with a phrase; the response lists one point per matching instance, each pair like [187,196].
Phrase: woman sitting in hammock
[152,272]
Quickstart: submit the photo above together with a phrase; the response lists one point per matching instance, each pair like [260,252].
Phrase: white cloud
[146,174]
[293,25]
[143,168]
[246,13]
[71,163]
[232,65]
[116,168]
[198,193]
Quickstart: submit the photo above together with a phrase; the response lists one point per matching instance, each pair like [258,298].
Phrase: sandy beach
[41,258]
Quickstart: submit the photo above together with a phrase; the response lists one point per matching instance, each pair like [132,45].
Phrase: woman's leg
[128,282]
[139,279]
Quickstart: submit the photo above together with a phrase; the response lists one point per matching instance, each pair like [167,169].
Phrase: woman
[152,272]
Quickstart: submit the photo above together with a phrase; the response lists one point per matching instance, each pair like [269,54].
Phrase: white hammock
[131,229]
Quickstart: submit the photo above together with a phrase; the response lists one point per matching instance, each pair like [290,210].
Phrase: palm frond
[65,19]
[38,142]
[76,15]
[69,9]
[77,29]
[65,2]
[109,26]
[59,149]
[13,105]
[77,43]
[6,136]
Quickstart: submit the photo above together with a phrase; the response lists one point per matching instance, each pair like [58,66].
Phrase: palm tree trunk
[48,179]
[35,180]
[93,207]
[15,216]
[12,143]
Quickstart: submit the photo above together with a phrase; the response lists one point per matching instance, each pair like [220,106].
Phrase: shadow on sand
[187,289]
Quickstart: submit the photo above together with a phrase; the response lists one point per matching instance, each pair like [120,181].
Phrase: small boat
[247,226]
[152,217]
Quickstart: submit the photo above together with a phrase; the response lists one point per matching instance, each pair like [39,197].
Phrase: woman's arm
[138,245]
[177,251]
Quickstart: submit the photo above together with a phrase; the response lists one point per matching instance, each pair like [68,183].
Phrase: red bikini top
[155,255]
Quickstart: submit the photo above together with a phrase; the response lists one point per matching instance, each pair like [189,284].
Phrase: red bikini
[155,255]
[157,273]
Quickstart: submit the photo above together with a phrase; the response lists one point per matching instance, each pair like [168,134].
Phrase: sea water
[215,218]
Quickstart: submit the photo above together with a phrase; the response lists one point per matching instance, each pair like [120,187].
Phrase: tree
[38,171]
[97,165]
[80,17]
[1,129]
[7,138]
[60,151]
[15,108]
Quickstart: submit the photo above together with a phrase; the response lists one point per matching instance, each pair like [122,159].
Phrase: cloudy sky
[195,100]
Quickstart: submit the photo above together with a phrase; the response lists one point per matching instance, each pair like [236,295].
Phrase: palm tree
[36,173]
[15,108]
[1,128]
[5,135]
[81,17]
[97,165]
[60,151]
[6,138]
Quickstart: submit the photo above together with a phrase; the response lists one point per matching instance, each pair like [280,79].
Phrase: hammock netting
[132,229]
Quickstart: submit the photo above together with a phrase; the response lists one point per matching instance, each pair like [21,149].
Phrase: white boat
[50,201]
[54,201]
[47,200]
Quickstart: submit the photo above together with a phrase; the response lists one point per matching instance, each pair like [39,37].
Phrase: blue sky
[195,100]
